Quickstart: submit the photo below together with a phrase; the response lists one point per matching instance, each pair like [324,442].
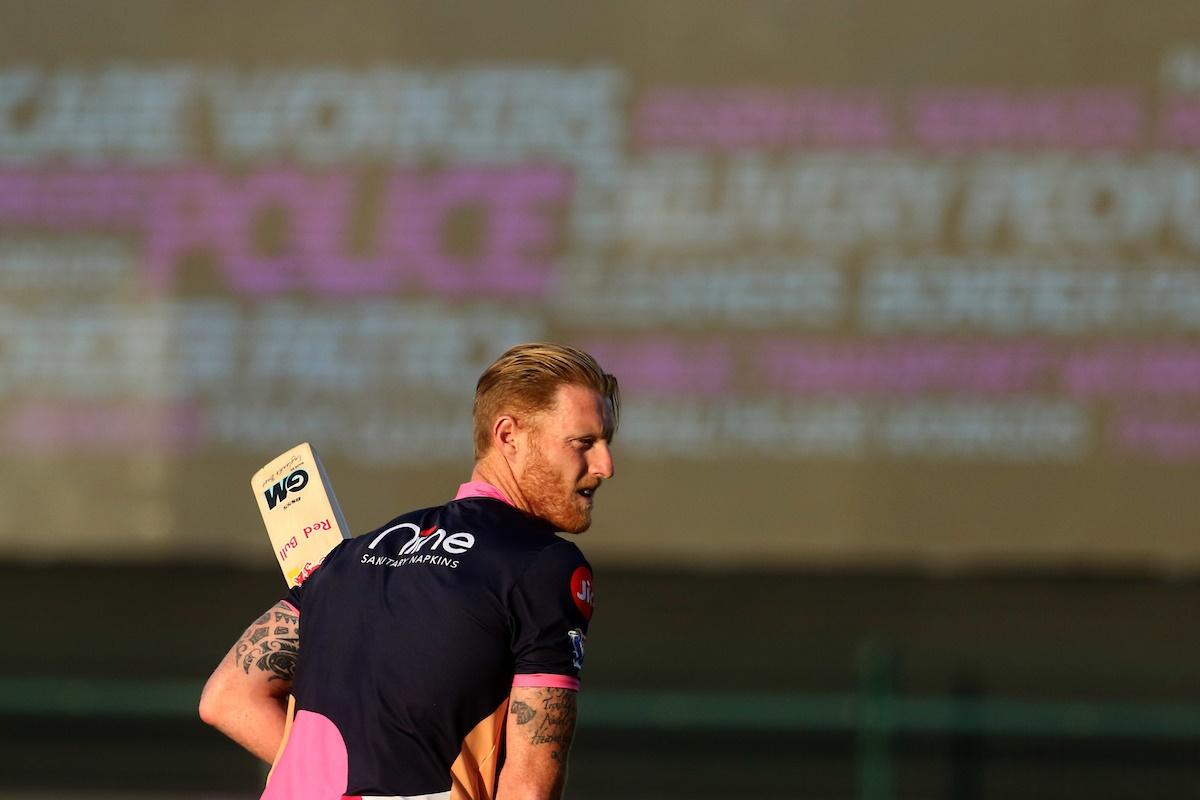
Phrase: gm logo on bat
[293,483]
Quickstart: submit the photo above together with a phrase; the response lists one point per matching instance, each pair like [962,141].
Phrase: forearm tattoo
[271,644]
[552,724]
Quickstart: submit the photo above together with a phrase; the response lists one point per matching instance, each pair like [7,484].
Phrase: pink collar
[481,489]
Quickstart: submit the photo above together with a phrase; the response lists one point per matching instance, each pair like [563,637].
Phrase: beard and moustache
[554,498]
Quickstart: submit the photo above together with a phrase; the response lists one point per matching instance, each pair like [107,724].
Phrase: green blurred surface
[697,685]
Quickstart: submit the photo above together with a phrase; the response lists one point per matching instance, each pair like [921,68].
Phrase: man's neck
[494,469]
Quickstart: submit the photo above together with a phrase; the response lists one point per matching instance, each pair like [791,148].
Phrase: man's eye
[584,444]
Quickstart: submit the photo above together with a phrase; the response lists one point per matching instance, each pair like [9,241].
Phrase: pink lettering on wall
[1082,118]
[902,368]
[764,117]
[1120,370]
[42,428]
[1161,437]
[321,231]
[1179,122]
[662,365]
[70,200]
[202,211]
[515,248]
[517,211]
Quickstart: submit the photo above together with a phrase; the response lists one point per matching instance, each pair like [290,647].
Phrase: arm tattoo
[270,650]
[555,721]
[522,711]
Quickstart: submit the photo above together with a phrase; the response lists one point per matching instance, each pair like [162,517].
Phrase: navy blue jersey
[411,638]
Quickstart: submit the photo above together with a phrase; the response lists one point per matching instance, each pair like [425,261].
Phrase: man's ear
[506,435]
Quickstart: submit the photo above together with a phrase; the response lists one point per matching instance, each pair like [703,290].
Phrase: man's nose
[601,461]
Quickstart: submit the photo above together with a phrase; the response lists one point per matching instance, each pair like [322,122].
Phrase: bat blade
[303,519]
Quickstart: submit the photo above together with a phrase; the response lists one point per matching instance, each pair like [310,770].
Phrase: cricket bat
[303,519]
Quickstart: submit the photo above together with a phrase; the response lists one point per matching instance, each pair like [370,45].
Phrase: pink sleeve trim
[544,680]
[292,607]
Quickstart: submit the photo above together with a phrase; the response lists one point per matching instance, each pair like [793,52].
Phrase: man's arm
[246,696]
[541,723]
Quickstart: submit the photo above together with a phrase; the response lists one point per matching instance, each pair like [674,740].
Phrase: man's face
[567,458]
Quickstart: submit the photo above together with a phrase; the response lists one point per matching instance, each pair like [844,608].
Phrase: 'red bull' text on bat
[303,519]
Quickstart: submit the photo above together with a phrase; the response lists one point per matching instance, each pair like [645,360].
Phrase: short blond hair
[525,380]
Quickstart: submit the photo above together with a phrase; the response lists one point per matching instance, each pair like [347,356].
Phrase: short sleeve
[551,605]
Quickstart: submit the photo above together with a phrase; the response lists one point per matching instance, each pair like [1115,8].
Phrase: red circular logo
[581,591]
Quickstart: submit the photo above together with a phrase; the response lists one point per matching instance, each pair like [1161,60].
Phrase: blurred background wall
[903,298]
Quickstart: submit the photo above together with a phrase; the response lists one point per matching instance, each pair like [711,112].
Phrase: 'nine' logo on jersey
[430,539]
[581,591]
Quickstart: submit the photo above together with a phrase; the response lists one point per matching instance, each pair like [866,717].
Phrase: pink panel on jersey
[481,489]
[545,680]
[314,765]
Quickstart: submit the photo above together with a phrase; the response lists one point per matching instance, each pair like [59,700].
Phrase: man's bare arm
[246,696]
[541,724]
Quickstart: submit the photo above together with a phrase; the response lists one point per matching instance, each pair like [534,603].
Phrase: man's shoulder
[416,515]
[562,552]
[487,513]
[513,535]
[502,525]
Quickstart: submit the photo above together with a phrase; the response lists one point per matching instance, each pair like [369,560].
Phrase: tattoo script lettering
[555,720]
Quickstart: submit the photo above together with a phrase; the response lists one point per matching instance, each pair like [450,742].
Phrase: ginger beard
[554,496]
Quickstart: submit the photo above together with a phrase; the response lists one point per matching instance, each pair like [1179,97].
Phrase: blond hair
[525,380]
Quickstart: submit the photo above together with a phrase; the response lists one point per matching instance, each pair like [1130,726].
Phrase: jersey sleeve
[551,607]
[295,595]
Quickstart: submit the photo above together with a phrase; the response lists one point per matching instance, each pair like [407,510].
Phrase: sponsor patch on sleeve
[578,641]
[581,591]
